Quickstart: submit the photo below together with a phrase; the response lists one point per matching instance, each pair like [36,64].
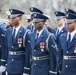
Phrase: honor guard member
[60,21]
[2,48]
[60,29]
[33,10]
[68,46]
[17,53]
[44,58]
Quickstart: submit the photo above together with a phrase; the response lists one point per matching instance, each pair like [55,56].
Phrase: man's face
[38,25]
[71,26]
[32,17]
[15,21]
[60,22]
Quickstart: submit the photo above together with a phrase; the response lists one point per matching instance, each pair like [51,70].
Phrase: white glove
[25,74]
[2,69]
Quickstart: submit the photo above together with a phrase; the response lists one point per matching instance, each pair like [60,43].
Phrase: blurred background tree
[47,6]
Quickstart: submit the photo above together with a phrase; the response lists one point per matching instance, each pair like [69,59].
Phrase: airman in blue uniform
[18,60]
[68,45]
[2,48]
[33,10]
[61,28]
[44,57]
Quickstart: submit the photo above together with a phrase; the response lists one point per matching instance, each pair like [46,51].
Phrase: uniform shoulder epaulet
[27,31]
[47,40]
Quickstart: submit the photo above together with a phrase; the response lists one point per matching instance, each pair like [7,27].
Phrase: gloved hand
[25,74]
[2,69]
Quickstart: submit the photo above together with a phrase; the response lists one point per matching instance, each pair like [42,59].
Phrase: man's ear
[75,24]
[43,22]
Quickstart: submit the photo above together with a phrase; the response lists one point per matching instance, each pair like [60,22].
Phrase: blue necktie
[57,33]
[36,37]
[69,39]
[13,35]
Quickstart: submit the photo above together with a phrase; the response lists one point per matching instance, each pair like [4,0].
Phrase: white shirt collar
[17,29]
[72,34]
[60,28]
[40,33]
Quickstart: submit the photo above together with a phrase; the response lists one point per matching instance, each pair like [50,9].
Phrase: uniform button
[12,46]
[67,51]
[66,65]
[34,50]
[35,63]
[12,59]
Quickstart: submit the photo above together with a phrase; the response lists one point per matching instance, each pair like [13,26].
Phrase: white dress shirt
[60,28]
[72,34]
[40,32]
[17,29]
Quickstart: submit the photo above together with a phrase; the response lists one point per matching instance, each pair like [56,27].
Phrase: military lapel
[55,32]
[33,39]
[73,41]
[64,41]
[63,30]
[10,35]
[40,38]
[18,34]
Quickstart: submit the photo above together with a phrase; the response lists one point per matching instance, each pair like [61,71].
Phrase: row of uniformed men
[19,45]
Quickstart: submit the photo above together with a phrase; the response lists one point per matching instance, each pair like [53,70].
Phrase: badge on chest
[19,42]
[75,48]
[42,46]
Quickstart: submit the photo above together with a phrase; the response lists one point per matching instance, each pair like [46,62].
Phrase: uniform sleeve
[27,55]
[60,55]
[2,29]
[53,56]
[4,51]
[3,43]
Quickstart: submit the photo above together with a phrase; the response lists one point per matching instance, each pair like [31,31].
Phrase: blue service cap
[69,11]
[39,18]
[28,17]
[35,10]
[59,15]
[14,13]
[70,17]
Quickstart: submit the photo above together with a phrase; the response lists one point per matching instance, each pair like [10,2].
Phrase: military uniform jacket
[68,55]
[57,36]
[18,55]
[30,27]
[44,62]
[57,40]
[2,44]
